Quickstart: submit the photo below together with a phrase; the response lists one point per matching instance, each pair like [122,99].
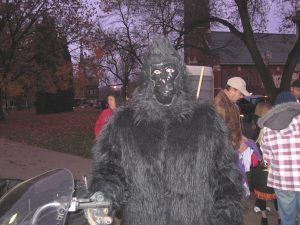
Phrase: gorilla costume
[164,159]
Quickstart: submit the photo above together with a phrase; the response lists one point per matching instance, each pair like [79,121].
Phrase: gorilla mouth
[167,92]
[164,94]
[165,99]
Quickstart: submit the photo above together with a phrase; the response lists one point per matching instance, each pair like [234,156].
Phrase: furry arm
[226,184]
[108,175]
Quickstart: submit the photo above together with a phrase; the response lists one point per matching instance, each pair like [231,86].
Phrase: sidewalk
[252,218]
[23,161]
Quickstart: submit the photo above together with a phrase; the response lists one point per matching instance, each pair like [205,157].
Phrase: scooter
[48,198]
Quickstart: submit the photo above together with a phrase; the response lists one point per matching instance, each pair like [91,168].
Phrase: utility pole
[296,17]
[196,41]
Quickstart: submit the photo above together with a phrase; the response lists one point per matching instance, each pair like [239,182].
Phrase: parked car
[247,106]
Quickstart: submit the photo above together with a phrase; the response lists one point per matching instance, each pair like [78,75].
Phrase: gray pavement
[22,161]
[252,218]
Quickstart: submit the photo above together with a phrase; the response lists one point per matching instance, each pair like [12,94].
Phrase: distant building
[91,92]
[87,84]
[232,58]
[228,55]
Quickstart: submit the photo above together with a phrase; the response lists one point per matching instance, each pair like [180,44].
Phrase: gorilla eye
[157,72]
[170,70]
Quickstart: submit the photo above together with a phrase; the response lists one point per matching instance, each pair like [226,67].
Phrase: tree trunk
[249,40]
[2,116]
[124,92]
[125,88]
[291,63]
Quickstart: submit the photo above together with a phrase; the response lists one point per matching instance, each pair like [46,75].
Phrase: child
[262,192]
[249,157]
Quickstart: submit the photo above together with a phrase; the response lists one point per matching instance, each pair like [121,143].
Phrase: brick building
[232,58]
[227,54]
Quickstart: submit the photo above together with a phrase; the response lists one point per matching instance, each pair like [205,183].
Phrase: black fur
[168,165]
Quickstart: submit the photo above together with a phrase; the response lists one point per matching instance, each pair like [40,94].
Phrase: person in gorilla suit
[164,158]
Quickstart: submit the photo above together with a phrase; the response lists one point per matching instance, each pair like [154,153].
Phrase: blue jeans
[288,206]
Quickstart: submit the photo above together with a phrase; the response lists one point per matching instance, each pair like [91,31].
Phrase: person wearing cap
[225,104]
[295,89]
[280,145]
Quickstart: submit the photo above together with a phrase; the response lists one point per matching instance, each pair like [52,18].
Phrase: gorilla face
[163,92]
[163,75]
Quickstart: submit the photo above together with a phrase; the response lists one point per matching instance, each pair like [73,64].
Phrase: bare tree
[119,65]
[252,16]
[244,19]
[241,18]
[131,23]
[123,41]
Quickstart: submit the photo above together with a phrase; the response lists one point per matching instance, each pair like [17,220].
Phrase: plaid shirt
[281,149]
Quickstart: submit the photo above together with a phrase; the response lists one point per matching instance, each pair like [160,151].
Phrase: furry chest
[154,151]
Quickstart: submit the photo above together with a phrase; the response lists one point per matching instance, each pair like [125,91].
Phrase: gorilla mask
[163,92]
[163,75]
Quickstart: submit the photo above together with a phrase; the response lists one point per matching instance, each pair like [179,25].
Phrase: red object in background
[102,119]
[254,161]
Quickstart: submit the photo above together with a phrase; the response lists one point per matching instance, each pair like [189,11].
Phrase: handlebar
[87,203]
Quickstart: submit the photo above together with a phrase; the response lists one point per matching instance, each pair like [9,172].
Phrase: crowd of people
[160,112]
[274,160]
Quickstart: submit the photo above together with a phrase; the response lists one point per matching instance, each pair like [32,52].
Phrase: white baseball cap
[239,84]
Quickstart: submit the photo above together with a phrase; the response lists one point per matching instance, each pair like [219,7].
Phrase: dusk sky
[273,21]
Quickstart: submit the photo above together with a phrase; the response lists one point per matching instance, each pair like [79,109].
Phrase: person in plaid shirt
[281,149]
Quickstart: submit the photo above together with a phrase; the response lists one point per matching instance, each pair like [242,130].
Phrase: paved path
[23,161]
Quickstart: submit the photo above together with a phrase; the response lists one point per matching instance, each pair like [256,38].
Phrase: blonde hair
[260,136]
[262,108]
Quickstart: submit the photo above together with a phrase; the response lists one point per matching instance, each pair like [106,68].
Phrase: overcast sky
[273,21]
